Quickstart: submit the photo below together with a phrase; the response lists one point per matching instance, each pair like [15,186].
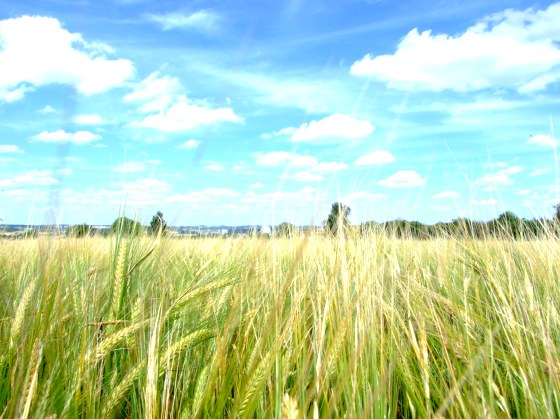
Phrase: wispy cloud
[282,158]
[375,158]
[89,119]
[214,167]
[447,195]
[10,149]
[205,21]
[47,109]
[130,167]
[403,179]
[190,144]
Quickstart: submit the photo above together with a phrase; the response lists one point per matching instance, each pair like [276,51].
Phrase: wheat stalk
[30,386]
[150,388]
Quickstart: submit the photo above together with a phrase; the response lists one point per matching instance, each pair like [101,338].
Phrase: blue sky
[252,112]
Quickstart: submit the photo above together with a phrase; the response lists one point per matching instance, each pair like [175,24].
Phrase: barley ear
[119,280]
[255,382]
[121,389]
[20,312]
[110,341]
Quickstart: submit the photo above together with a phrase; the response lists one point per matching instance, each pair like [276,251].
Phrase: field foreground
[309,327]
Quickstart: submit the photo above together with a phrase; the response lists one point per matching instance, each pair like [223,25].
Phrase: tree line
[123,226]
[506,225]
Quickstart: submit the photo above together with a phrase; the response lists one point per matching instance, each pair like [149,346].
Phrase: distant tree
[509,225]
[126,226]
[286,230]
[157,224]
[80,230]
[338,221]
[557,212]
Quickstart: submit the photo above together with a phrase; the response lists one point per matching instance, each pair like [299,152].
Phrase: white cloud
[279,158]
[447,195]
[543,140]
[257,185]
[62,137]
[403,179]
[32,177]
[37,51]
[205,21]
[511,49]
[336,127]
[523,192]
[214,167]
[190,144]
[11,93]
[184,115]
[10,149]
[375,158]
[89,119]
[499,178]
[130,167]
[47,109]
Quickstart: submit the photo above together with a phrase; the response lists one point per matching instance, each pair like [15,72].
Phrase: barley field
[305,327]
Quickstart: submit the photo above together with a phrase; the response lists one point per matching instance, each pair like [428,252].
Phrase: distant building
[266,230]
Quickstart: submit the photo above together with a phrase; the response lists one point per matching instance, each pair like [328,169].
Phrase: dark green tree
[126,226]
[509,225]
[286,230]
[338,221]
[157,224]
